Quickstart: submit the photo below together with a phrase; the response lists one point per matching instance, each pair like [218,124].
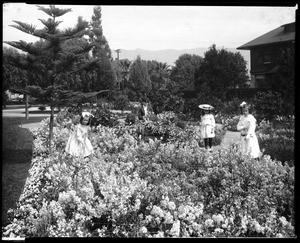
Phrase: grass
[16,159]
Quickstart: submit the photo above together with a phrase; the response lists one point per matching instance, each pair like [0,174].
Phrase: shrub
[277,140]
[105,117]
[268,105]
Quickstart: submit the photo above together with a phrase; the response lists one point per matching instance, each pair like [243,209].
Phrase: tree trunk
[51,129]
[26,106]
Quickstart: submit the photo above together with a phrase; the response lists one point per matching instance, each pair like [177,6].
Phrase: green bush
[277,140]
[105,117]
[268,105]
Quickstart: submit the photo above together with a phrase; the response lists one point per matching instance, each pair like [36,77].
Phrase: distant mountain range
[169,56]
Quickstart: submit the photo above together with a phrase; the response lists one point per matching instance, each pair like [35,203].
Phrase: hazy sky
[160,27]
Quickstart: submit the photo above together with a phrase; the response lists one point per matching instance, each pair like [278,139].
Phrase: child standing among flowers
[207,126]
[78,144]
[247,125]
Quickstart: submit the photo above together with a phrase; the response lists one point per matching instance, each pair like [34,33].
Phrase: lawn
[16,159]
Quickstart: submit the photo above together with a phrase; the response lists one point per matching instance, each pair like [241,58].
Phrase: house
[265,53]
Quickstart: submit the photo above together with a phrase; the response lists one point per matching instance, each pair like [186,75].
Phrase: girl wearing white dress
[78,144]
[247,125]
[207,126]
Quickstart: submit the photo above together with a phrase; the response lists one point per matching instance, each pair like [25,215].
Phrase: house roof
[284,33]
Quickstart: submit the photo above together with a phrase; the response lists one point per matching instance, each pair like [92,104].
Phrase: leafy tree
[103,77]
[54,63]
[11,75]
[222,69]
[139,81]
[183,74]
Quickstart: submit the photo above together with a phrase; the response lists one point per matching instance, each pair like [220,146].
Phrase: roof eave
[244,47]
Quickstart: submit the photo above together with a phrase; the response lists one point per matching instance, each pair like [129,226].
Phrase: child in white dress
[247,125]
[207,126]
[78,144]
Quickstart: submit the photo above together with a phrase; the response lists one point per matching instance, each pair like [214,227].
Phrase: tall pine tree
[55,63]
[104,77]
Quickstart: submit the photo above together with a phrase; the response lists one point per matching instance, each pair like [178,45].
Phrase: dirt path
[229,138]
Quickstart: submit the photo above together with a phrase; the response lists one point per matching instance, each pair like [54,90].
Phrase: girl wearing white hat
[247,125]
[78,144]
[207,125]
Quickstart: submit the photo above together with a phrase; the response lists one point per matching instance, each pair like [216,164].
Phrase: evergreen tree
[54,63]
[139,80]
[103,77]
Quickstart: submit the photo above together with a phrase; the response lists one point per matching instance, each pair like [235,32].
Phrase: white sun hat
[206,107]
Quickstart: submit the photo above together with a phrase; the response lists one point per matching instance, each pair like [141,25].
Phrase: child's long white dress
[249,142]
[78,143]
[207,126]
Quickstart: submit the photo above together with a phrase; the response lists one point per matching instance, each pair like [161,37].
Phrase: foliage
[159,73]
[278,140]
[121,101]
[139,80]
[285,82]
[126,189]
[55,63]
[105,117]
[221,69]
[268,105]
[184,71]
[12,76]
[167,98]
[103,77]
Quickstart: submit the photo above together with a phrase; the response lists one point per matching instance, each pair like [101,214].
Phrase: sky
[160,27]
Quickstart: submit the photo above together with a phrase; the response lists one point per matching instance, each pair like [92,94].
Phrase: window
[266,58]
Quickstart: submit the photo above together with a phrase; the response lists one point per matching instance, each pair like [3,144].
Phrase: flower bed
[154,189]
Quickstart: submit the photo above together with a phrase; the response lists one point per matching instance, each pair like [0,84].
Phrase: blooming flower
[171,205]
[209,223]
[218,218]
[175,230]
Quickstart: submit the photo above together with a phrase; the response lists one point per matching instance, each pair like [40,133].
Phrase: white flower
[209,223]
[157,211]
[218,230]
[143,230]
[175,230]
[218,218]
[283,221]
[171,205]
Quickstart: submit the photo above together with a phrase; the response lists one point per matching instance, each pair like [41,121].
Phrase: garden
[167,186]
[165,183]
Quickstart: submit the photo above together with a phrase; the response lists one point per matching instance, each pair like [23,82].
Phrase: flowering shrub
[277,140]
[153,189]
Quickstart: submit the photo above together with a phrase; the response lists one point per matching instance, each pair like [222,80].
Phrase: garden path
[229,138]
